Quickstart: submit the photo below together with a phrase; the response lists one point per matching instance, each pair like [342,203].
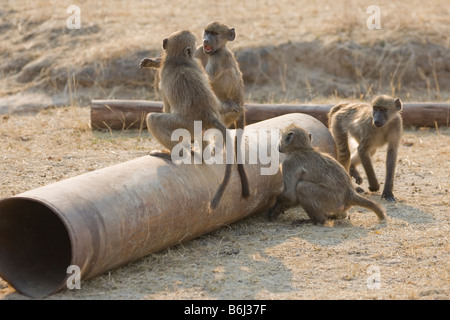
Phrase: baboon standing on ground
[187,97]
[315,181]
[372,126]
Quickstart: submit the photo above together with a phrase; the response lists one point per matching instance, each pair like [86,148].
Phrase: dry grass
[114,30]
[57,144]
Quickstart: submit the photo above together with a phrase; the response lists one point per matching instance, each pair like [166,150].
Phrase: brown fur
[372,126]
[187,97]
[315,181]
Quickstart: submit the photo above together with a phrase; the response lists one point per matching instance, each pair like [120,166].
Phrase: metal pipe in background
[106,218]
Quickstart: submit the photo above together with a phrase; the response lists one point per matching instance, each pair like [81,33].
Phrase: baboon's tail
[242,174]
[240,166]
[244,181]
[226,178]
[338,107]
[335,109]
[369,204]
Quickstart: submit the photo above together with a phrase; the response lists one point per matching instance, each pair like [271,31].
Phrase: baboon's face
[384,109]
[180,43]
[294,138]
[216,36]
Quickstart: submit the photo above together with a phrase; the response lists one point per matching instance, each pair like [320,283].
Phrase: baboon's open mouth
[207,49]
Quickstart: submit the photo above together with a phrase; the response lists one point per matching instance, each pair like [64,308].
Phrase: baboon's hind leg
[161,126]
[314,198]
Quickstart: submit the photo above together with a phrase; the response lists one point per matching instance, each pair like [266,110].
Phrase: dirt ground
[254,258]
[307,51]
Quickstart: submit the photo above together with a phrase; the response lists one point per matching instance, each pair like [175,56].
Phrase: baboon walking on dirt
[372,126]
[315,181]
[187,97]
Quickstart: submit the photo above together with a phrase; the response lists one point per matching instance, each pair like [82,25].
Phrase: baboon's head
[294,138]
[180,43]
[385,108]
[216,35]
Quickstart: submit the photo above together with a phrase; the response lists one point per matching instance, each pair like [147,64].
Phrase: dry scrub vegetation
[288,50]
[305,51]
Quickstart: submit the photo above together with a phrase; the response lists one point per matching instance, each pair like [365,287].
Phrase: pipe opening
[35,248]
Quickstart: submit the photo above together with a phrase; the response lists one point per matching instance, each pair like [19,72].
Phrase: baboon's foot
[274,212]
[300,222]
[389,196]
[355,174]
[338,215]
[374,187]
[165,154]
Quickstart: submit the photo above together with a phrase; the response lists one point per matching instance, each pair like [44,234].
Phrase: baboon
[315,181]
[187,97]
[224,75]
[372,126]
[223,71]
[225,78]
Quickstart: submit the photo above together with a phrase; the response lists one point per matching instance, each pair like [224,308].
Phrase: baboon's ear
[289,137]
[188,52]
[165,43]
[231,34]
[398,104]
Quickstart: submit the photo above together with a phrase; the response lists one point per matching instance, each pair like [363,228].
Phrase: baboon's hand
[235,107]
[230,107]
[148,63]
[143,63]
[388,195]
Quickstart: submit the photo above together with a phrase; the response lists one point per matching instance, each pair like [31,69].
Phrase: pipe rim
[33,259]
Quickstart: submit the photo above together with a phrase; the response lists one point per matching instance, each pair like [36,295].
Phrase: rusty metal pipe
[108,217]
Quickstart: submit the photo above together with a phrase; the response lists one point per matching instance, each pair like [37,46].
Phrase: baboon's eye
[377,108]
